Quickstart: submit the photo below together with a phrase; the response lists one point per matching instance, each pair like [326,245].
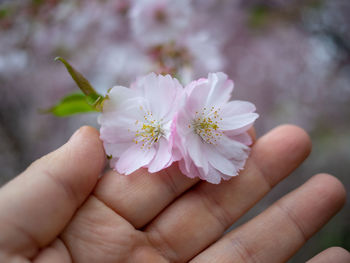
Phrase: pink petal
[238,122]
[191,172]
[116,98]
[195,151]
[114,134]
[232,149]
[161,158]
[242,138]
[197,99]
[220,162]
[116,149]
[236,107]
[134,158]
[213,176]
[220,89]
[162,93]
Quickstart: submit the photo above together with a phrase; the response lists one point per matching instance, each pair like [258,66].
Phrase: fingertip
[330,188]
[332,254]
[282,149]
[296,137]
[86,140]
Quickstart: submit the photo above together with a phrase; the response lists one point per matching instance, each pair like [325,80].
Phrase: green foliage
[74,103]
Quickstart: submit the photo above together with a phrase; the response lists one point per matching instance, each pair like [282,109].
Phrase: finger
[333,254]
[36,206]
[276,234]
[139,197]
[201,216]
[55,253]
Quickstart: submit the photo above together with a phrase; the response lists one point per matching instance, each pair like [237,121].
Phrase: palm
[163,217]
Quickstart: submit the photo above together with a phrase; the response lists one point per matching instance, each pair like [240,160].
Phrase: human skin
[61,210]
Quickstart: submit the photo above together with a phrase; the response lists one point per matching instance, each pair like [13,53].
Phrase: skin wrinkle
[29,239]
[243,251]
[61,184]
[72,234]
[67,248]
[168,180]
[160,243]
[214,208]
[288,213]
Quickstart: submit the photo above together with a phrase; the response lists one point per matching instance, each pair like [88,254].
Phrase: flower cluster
[156,122]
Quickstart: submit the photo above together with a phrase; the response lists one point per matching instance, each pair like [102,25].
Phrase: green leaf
[71,104]
[84,85]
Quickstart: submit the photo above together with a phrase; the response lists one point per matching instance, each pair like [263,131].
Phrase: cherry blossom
[136,123]
[211,131]
[156,22]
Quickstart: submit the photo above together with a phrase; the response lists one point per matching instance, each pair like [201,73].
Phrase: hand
[58,210]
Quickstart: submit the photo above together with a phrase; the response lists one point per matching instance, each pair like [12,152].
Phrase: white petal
[117,97]
[197,98]
[191,172]
[238,122]
[134,158]
[213,176]
[116,134]
[232,149]
[162,93]
[220,162]
[220,89]
[242,138]
[116,149]
[183,124]
[130,110]
[195,151]
[161,158]
[237,107]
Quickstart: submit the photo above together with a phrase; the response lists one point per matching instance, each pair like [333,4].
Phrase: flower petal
[116,149]
[195,151]
[134,158]
[162,93]
[161,158]
[220,162]
[191,172]
[115,134]
[237,107]
[213,176]
[220,89]
[240,122]
[232,149]
[196,100]
[242,138]
[117,97]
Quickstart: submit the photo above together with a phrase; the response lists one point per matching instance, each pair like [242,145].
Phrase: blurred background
[290,58]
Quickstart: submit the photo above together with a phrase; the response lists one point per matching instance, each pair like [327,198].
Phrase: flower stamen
[149,132]
[207,126]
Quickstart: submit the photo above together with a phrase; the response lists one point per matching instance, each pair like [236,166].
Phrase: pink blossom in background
[155,22]
[136,123]
[211,131]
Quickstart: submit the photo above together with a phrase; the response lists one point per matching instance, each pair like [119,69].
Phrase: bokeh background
[291,58]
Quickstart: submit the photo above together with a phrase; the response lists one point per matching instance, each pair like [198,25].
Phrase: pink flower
[212,131]
[136,123]
[156,22]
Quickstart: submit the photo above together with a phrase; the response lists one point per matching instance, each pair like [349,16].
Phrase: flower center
[149,132]
[206,125]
